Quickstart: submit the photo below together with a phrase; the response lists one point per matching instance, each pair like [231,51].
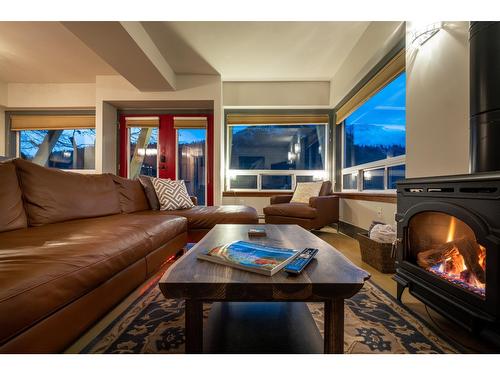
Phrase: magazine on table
[250,256]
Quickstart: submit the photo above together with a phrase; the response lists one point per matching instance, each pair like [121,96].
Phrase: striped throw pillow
[172,194]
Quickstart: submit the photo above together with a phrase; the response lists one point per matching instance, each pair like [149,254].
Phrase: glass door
[191,161]
[169,146]
[142,152]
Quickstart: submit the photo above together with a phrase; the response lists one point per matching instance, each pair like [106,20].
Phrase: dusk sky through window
[382,119]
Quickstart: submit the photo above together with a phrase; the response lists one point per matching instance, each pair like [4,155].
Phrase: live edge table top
[329,276]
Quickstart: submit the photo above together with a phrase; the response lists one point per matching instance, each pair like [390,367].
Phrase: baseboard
[349,229]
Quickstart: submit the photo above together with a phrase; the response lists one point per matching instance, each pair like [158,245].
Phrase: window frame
[361,168]
[318,174]
[18,155]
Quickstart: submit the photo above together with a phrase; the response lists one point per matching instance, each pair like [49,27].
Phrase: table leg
[334,326]
[194,326]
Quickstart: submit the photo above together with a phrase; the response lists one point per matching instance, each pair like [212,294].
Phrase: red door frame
[167,157]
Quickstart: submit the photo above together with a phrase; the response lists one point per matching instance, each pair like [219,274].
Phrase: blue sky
[191,135]
[382,119]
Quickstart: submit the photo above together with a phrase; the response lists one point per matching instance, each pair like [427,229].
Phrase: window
[276,182]
[63,149]
[243,182]
[350,180]
[394,174]
[373,179]
[64,141]
[374,140]
[275,156]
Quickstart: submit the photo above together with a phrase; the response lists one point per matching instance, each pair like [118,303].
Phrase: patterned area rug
[374,323]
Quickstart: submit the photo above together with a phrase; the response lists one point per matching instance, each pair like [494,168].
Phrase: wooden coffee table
[329,278]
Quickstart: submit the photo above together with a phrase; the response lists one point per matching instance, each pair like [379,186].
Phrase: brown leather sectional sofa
[72,246]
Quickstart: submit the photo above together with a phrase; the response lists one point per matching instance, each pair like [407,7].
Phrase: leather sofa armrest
[327,207]
[276,199]
[320,202]
[194,200]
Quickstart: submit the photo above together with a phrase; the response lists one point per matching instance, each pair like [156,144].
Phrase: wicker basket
[376,254]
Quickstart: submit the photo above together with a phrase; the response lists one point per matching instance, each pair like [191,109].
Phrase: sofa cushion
[172,194]
[206,217]
[52,195]
[159,226]
[149,189]
[131,193]
[300,210]
[12,214]
[45,268]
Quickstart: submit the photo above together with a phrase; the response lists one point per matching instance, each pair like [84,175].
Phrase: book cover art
[251,256]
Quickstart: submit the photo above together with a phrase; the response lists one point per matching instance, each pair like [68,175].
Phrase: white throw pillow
[172,194]
[306,190]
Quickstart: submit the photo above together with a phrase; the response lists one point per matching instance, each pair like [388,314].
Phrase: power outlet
[379,212]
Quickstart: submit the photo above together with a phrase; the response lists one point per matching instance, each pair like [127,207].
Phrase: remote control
[301,261]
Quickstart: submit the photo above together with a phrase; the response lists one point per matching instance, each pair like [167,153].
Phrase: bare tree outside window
[64,149]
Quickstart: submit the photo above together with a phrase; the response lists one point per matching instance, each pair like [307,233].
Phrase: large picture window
[56,141]
[374,140]
[63,149]
[275,156]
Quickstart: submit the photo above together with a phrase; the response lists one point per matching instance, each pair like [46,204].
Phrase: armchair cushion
[299,210]
[306,190]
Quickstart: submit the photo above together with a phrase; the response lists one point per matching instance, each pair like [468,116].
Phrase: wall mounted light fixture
[422,34]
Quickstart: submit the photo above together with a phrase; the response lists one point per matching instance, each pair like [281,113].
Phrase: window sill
[255,193]
[372,197]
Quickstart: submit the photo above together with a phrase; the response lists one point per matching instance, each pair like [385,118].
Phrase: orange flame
[451,230]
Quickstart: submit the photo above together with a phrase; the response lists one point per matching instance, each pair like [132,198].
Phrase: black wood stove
[449,227]
[449,244]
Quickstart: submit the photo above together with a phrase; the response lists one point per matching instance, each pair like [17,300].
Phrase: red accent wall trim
[166,135]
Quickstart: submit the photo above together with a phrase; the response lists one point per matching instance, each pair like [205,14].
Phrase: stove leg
[400,289]
[401,286]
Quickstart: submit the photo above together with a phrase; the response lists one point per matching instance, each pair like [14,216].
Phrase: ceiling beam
[129,49]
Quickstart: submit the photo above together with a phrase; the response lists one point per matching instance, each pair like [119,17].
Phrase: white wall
[51,95]
[362,213]
[286,94]
[437,103]
[109,136]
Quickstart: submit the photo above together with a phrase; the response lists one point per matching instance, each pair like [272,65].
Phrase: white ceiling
[258,50]
[46,52]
